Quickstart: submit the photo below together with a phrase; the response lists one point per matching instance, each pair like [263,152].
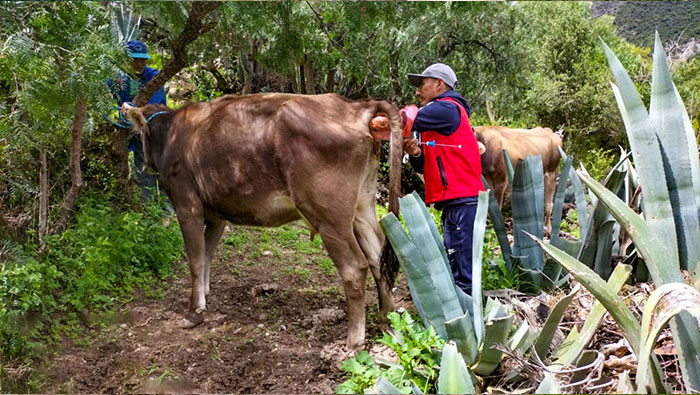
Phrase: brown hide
[269,159]
[520,143]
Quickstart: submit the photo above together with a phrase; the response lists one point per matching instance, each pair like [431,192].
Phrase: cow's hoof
[191,320]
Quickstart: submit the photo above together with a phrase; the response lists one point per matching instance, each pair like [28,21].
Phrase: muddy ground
[275,323]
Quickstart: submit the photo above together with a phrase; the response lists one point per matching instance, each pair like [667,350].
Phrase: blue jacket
[442,117]
[124,90]
[439,116]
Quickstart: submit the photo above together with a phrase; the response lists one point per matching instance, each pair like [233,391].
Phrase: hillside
[637,20]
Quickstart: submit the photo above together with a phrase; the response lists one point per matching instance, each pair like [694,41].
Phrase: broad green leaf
[496,333]
[544,340]
[440,274]
[420,284]
[509,168]
[528,218]
[579,195]
[663,304]
[384,386]
[572,347]
[461,331]
[477,253]
[454,376]
[650,245]
[522,338]
[550,385]
[667,116]
[559,201]
[612,302]
[499,227]
[647,156]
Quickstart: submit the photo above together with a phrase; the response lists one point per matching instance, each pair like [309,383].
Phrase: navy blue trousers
[458,231]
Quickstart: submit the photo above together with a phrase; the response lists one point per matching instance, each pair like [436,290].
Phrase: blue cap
[137,50]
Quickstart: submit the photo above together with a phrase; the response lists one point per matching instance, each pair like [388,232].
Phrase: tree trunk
[75,171]
[395,78]
[309,85]
[489,111]
[247,63]
[43,194]
[330,78]
[194,27]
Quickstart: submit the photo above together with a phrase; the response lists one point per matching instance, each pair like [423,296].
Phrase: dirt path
[275,324]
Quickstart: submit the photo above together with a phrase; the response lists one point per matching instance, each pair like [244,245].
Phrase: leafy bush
[88,267]
[418,351]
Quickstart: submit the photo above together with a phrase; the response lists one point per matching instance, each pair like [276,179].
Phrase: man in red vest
[447,154]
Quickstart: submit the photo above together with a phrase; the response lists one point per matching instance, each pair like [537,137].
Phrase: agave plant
[457,317]
[667,237]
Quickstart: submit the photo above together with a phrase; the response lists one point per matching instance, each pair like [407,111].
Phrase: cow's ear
[134,116]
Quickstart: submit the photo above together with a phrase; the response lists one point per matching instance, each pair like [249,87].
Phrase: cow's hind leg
[336,230]
[192,226]
[371,239]
[550,181]
[212,234]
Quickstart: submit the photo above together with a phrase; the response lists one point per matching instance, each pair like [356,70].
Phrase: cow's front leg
[212,234]
[193,233]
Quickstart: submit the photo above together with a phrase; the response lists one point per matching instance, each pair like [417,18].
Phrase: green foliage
[418,351]
[598,162]
[637,21]
[90,267]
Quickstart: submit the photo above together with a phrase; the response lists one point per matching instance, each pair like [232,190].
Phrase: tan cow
[520,143]
[269,159]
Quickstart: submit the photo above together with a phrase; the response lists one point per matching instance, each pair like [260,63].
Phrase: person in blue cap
[447,154]
[125,88]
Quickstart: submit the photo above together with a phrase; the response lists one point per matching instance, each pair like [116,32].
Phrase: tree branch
[194,27]
[76,172]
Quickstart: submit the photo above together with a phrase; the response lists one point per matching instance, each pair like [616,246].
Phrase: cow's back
[520,143]
[245,156]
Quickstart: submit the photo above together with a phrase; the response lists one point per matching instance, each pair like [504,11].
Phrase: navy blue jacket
[442,117]
[124,89]
[439,116]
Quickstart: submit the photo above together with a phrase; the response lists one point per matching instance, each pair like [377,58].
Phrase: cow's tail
[389,263]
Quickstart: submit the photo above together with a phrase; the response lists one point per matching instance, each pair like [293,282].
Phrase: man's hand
[411,147]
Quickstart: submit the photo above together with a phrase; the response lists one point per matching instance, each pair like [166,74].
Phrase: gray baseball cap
[437,70]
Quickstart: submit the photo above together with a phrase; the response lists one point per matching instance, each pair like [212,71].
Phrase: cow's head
[150,126]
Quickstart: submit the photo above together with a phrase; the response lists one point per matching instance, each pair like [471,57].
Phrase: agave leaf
[522,338]
[647,156]
[550,385]
[624,384]
[461,331]
[499,227]
[384,386]
[527,218]
[496,333]
[603,257]
[650,245]
[612,302]
[422,289]
[433,229]
[509,168]
[559,201]
[477,253]
[664,303]
[544,340]
[666,114]
[579,195]
[663,270]
[454,376]
[440,274]
[576,341]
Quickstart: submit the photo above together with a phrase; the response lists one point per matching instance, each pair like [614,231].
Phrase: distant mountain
[637,20]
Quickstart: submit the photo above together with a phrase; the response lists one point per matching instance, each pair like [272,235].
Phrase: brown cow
[520,143]
[269,159]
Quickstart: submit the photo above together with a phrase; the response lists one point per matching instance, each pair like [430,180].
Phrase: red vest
[452,172]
